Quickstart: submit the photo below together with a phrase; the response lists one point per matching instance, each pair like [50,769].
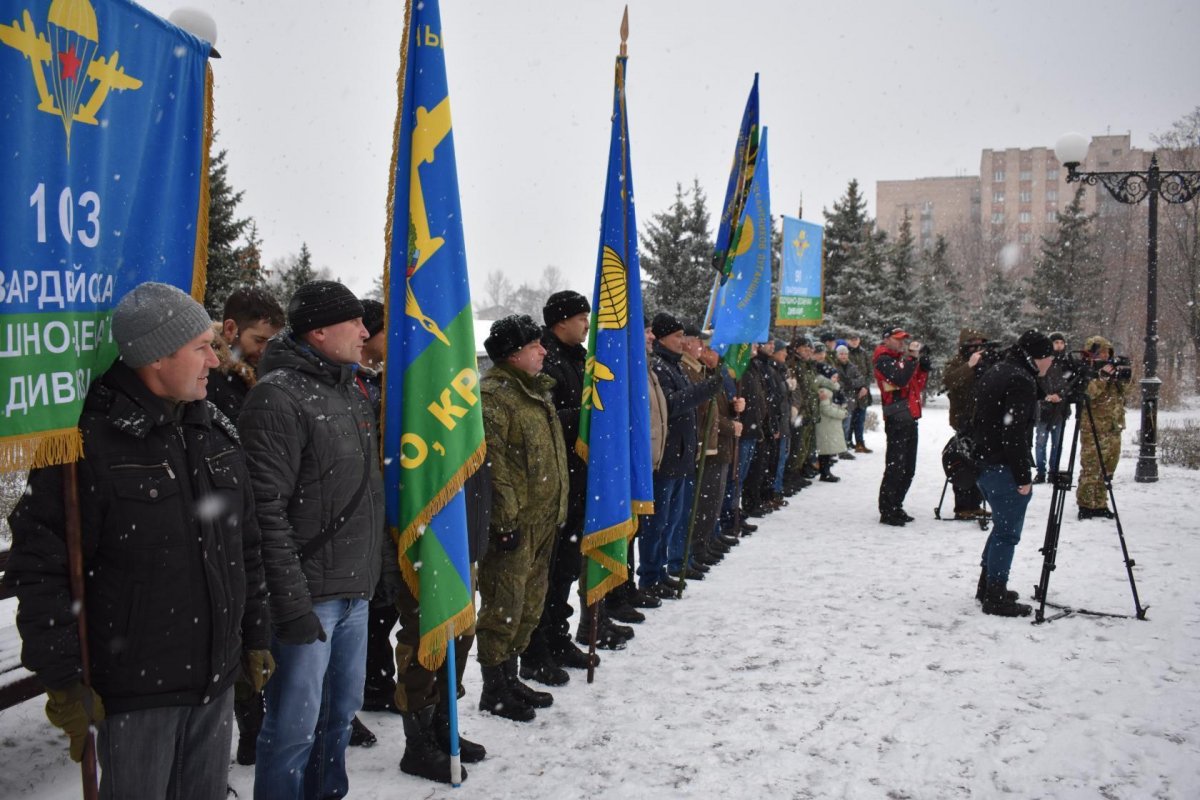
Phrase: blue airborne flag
[614,424]
[105,119]
[741,173]
[743,309]
[432,422]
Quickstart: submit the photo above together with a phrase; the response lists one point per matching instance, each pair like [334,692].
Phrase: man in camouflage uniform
[527,458]
[861,359]
[1107,396]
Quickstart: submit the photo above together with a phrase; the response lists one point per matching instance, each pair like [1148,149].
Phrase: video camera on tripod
[1084,366]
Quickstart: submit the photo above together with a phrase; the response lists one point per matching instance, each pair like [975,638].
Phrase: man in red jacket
[901,370]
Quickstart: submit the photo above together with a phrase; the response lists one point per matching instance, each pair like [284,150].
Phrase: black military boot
[422,756]
[566,654]
[540,667]
[498,697]
[360,734]
[997,602]
[249,716]
[469,752]
[981,590]
[530,696]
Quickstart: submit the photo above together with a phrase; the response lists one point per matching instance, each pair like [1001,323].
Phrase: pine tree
[293,273]
[1065,289]
[902,260]
[864,304]
[846,228]
[1002,314]
[224,229]
[936,304]
[676,255]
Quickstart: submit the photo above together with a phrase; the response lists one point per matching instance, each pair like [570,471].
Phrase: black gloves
[301,630]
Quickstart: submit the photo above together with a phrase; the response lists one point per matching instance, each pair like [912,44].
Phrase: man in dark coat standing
[173,580]
[313,447]
[958,379]
[898,375]
[1005,404]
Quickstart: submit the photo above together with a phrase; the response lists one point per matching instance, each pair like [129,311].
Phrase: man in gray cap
[176,604]
[312,444]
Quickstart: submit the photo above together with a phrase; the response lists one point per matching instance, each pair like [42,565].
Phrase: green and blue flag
[107,114]
[614,424]
[741,174]
[432,422]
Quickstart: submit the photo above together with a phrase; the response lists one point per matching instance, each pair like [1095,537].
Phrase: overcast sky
[871,89]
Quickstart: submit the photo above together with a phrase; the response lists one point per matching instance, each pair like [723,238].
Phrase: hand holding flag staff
[431,418]
[614,424]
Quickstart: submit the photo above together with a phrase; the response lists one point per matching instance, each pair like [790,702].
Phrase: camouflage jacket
[525,449]
[1108,406]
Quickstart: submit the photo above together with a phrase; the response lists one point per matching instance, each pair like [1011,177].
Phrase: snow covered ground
[830,656]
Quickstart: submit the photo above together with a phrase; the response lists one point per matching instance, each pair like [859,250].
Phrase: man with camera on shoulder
[975,355]
[1106,393]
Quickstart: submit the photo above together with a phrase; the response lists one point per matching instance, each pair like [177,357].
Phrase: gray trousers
[175,753]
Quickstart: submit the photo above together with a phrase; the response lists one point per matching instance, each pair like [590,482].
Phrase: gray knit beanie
[155,320]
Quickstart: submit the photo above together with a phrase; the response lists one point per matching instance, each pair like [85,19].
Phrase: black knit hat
[664,325]
[321,303]
[372,316]
[509,335]
[1035,344]
[564,305]
[1058,337]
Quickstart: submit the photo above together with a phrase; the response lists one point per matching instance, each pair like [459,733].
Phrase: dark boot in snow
[360,735]
[469,752]
[422,756]
[498,697]
[249,715]
[528,695]
[981,589]
[996,602]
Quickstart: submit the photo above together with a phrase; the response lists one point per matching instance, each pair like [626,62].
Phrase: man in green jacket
[527,457]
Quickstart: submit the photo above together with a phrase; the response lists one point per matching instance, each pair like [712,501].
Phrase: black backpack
[959,462]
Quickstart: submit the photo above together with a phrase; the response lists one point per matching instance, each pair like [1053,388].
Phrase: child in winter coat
[830,438]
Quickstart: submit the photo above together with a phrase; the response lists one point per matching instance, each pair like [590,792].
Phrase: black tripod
[1061,479]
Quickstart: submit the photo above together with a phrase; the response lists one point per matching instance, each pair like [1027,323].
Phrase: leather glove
[258,666]
[508,541]
[301,630]
[74,710]
[387,592]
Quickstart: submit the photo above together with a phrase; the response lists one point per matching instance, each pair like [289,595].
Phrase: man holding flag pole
[432,426]
[614,424]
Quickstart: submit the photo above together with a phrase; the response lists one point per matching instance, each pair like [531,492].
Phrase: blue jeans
[1008,519]
[1054,432]
[785,446]
[177,751]
[733,487]
[652,544]
[857,420]
[311,699]
[677,537]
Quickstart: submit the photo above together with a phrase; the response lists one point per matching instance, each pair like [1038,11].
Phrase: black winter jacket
[174,579]
[1005,401]
[309,432]
[683,397]
[565,364]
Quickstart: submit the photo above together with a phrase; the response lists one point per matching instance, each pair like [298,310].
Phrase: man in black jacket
[1005,401]
[900,380]
[666,533]
[250,319]
[174,592]
[312,445]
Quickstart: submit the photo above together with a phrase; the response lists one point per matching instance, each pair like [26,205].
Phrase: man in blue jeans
[1005,403]
[312,444]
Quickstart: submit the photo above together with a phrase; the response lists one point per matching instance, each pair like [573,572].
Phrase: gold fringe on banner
[431,652]
[42,449]
[200,258]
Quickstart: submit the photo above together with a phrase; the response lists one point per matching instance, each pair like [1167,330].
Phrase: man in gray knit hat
[176,603]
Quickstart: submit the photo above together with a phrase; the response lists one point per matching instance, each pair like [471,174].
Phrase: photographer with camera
[901,370]
[1053,410]
[1005,403]
[975,355]
[1106,392]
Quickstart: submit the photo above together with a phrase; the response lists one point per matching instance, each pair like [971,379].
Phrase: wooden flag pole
[75,572]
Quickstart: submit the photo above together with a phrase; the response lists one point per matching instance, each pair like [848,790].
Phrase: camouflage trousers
[1091,492]
[512,591]
[417,687]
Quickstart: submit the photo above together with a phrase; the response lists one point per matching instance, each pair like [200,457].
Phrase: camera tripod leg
[937,512]
[1061,480]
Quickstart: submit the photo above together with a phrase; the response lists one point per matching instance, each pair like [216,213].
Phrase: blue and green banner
[614,424]
[432,422]
[742,314]
[741,174]
[105,122]
[801,299]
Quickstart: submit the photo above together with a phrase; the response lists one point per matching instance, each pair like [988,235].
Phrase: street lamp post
[1174,186]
